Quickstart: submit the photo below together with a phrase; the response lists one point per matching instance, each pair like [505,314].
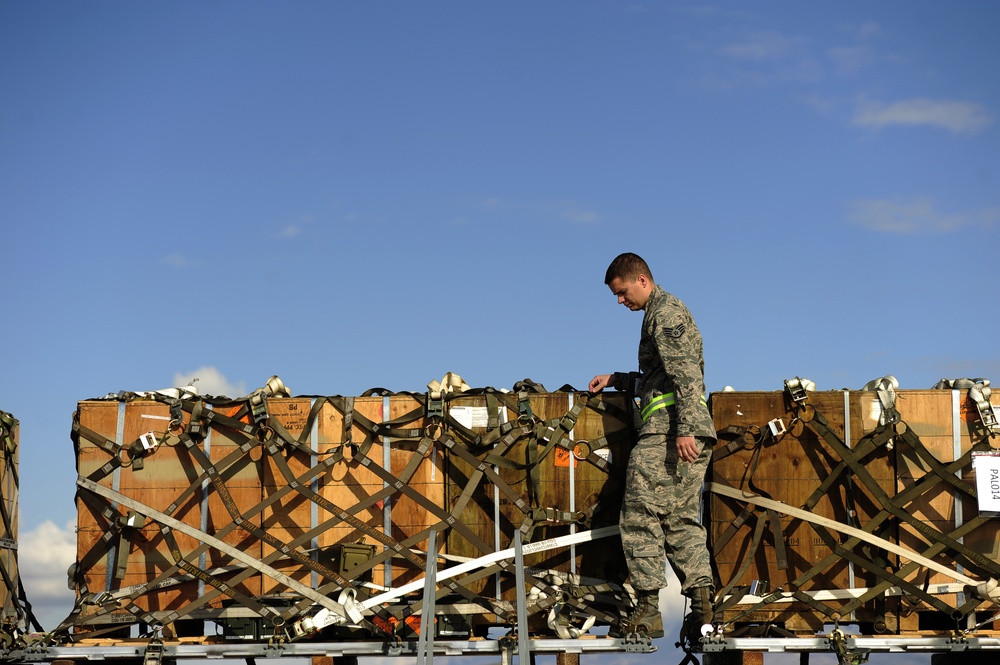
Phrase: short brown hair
[627,266]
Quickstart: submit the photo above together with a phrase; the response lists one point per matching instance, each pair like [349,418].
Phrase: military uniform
[660,514]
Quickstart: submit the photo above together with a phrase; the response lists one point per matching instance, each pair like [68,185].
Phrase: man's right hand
[600,382]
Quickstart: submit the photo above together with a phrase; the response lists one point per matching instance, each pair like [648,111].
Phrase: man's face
[632,294]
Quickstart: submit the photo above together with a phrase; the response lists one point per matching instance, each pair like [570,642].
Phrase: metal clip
[148,442]
[153,654]
[777,427]
[132,521]
[980,395]
[258,406]
[435,406]
[797,388]
[886,388]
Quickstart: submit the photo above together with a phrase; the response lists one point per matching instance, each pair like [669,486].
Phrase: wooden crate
[9,449]
[247,479]
[322,476]
[792,466]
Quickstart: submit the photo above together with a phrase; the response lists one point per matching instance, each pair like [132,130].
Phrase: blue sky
[352,195]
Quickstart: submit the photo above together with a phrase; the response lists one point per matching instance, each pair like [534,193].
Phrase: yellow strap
[661,402]
[655,404]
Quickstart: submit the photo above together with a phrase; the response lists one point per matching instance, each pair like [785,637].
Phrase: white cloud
[210,381]
[957,117]
[578,216]
[760,46]
[849,59]
[869,29]
[290,231]
[916,216]
[178,261]
[672,603]
[44,555]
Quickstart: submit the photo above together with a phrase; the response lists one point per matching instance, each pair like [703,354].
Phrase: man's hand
[599,383]
[687,448]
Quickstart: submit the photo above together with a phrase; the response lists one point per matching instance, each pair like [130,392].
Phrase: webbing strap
[234,552]
[839,551]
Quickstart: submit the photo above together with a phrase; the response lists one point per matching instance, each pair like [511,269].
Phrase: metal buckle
[796,389]
[258,406]
[153,654]
[980,395]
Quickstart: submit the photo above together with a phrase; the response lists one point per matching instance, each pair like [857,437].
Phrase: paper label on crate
[987,468]
[470,416]
[875,413]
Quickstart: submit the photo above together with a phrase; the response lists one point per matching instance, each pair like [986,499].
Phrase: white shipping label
[987,468]
[470,416]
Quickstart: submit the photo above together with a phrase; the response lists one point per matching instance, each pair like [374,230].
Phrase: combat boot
[702,613]
[645,618]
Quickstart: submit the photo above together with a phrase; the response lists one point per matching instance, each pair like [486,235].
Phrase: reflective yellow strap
[656,404]
[661,402]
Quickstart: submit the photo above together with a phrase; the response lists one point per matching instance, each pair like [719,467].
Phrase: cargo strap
[885,388]
[784,508]
[755,441]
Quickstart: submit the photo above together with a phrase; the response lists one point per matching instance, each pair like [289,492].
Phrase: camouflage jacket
[671,383]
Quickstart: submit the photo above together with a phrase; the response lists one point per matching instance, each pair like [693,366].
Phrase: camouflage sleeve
[679,345]
[624,381]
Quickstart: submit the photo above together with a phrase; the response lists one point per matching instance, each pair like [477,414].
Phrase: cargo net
[286,518]
[853,507]
[16,616]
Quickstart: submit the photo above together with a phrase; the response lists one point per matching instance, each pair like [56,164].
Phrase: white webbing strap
[804,515]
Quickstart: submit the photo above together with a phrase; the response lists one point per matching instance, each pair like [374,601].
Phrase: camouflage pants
[660,515]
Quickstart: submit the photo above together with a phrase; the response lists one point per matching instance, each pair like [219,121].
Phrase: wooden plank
[164,474]
[290,517]
[409,516]
[348,482]
[947,424]
[242,480]
[790,470]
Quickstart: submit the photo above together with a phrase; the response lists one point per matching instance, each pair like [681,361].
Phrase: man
[666,469]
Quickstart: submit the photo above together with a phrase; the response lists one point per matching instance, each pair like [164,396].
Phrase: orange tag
[563,458]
